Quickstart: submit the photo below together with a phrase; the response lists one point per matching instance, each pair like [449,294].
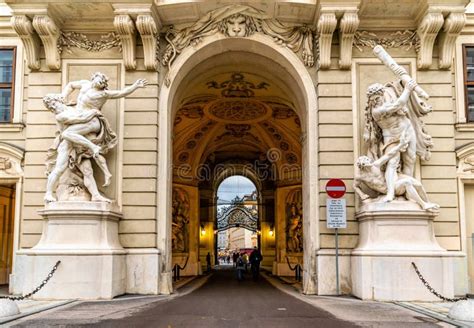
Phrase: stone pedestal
[391,237]
[84,237]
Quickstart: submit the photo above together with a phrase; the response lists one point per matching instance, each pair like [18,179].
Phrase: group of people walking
[242,260]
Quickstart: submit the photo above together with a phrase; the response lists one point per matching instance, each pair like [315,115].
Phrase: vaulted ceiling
[236,117]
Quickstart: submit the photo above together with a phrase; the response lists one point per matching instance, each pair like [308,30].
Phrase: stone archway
[11,175]
[296,78]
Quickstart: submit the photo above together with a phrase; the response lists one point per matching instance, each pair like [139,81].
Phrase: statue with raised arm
[84,133]
[394,109]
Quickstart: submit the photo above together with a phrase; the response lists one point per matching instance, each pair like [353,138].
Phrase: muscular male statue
[84,131]
[390,115]
[371,175]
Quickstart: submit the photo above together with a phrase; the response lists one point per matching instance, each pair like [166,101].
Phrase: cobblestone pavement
[221,302]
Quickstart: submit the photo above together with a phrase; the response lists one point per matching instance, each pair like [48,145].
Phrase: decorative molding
[148,32]
[125,28]
[69,40]
[326,26]
[427,31]
[347,28]
[23,27]
[407,39]
[237,86]
[453,25]
[239,21]
[465,155]
[49,34]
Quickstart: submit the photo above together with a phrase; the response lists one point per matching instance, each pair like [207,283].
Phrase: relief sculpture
[294,228]
[180,214]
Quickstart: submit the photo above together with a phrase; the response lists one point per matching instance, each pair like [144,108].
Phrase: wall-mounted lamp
[271,232]
[203,230]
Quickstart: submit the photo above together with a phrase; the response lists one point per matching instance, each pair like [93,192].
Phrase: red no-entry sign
[335,188]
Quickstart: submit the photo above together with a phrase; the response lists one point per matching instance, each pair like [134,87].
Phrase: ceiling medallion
[237,86]
[238,110]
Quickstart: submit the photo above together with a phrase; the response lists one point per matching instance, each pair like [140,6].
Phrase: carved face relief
[236,26]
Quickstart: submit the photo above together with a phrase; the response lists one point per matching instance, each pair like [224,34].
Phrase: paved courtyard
[222,301]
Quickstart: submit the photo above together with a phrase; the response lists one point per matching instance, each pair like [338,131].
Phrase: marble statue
[180,215]
[394,135]
[83,134]
[370,174]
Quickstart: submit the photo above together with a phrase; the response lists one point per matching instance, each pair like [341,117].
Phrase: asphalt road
[225,302]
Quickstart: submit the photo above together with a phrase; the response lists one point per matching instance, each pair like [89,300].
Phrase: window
[468,51]
[7,80]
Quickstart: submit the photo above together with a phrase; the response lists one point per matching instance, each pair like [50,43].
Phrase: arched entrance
[237,226]
[215,57]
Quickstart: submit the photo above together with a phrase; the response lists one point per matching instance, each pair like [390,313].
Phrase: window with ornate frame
[7,83]
[468,64]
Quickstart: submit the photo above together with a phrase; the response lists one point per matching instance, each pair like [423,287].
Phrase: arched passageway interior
[236,115]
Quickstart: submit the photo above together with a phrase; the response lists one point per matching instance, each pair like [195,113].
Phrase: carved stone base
[84,237]
[391,236]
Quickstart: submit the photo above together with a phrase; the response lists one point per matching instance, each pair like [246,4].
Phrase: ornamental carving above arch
[11,158]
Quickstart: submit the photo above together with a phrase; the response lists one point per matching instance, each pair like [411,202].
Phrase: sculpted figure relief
[180,214]
[83,134]
[240,21]
[294,236]
[395,135]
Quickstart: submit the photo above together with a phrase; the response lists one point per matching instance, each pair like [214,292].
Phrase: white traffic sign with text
[336,213]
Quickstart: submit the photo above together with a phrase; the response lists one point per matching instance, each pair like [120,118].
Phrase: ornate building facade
[286,93]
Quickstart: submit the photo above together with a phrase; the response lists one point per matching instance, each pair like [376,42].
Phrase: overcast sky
[235,186]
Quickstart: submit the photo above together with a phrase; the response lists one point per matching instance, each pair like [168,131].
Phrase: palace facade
[275,91]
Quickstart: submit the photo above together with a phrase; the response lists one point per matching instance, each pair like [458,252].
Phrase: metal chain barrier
[297,268]
[432,290]
[37,289]
[177,268]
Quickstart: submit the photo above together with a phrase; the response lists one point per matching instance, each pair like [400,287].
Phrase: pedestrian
[245,257]
[255,259]
[240,268]
[228,259]
[235,256]
[208,262]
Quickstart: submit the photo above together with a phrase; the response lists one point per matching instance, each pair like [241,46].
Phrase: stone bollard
[8,308]
[463,310]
